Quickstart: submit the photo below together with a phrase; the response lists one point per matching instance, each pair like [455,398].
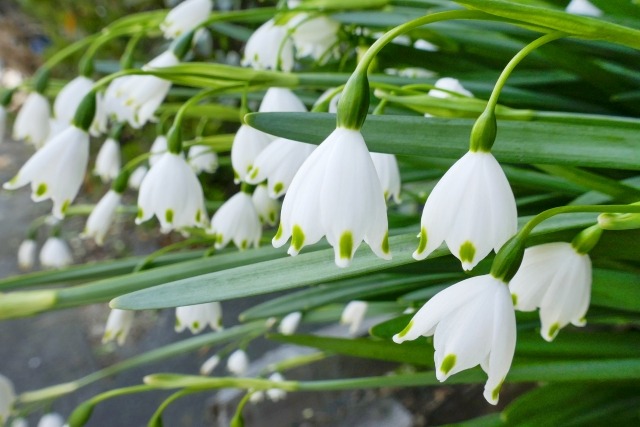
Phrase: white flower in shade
[315,37]
[422,44]
[56,171]
[388,174]
[336,193]
[472,209]
[185,17]
[238,362]
[55,253]
[247,144]
[118,326]
[101,217]
[237,219]
[27,254]
[256,396]
[209,365]
[136,177]
[108,160]
[278,99]
[197,317]
[7,398]
[32,121]
[448,84]
[269,47]
[278,164]
[158,148]
[51,420]
[289,323]
[136,98]
[557,279]
[582,7]
[171,191]
[203,159]
[276,394]
[3,122]
[266,207]
[353,315]
[473,323]
[69,98]
[19,422]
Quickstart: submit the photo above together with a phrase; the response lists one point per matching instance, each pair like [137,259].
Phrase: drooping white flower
[185,17]
[203,159]
[108,160]
[238,362]
[247,144]
[422,44]
[315,37]
[278,163]
[237,219]
[289,323]
[136,177]
[69,98]
[473,323]
[557,279]
[27,254]
[197,317]
[56,171]
[336,193]
[266,207]
[276,394]
[158,148]
[55,253]
[32,121]
[269,47]
[278,99]
[256,396]
[135,99]
[450,84]
[101,217]
[388,174]
[353,315]
[118,326]
[472,209]
[209,365]
[51,420]
[171,191]
[7,398]
[583,7]
[3,122]
[19,422]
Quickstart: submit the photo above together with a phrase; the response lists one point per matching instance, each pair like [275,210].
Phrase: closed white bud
[353,315]
[289,323]
[209,365]
[108,160]
[55,253]
[136,177]
[51,420]
[27,254]
[32,121]
[276,394]
[238,362]
[101,217]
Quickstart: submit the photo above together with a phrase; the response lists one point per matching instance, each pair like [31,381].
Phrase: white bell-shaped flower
[256,396]
[276,394]
[353,315]
[69,97]
[108,160]
[209,365]
[51,420]
[269,47]
[27,254]
[7,398]
[281,100]
[315,37]
[55,253]
[557,279]
[247,144]
[237,219]
[203,159]
[101,217]
[135,99]
[388,174]
[32,121]
[56,171]
[289,323]
[158,148]
[473,323]
[118,326]
[472,209]
[583,7]
[336,193]
[267,208]
[185,17]
[19,422]
[136,177]
[171,191]
[449,84]
[197,317]
[278,163]
[238,362]
[3,122]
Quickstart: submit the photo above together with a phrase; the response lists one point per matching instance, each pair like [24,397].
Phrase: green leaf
[616,289]
[612,146]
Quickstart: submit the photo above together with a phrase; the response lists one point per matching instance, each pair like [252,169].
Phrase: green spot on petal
[42,188]
[406,330]
[249,167]
[219,238]
[385,243]
[65,206]
[279,232]
[297,238]
[448,363]
[423,240]
[254,172]
[553,330]
[178,323]
[272,217]
[496,391]
[236,176]
[244,244]
[467,252]
[195,325]
[514,298]
[168,215]
[278,187]
[346,245]
[198,215]
[140,213]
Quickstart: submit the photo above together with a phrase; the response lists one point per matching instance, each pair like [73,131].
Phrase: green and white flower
[197,317]
[32,121]
[269,47]
[267,207]
[185,17]
[247,145]
[108,160]
[118,326]
[237,220]
[353,314]
[101,217]
[203,159]
[388,174]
